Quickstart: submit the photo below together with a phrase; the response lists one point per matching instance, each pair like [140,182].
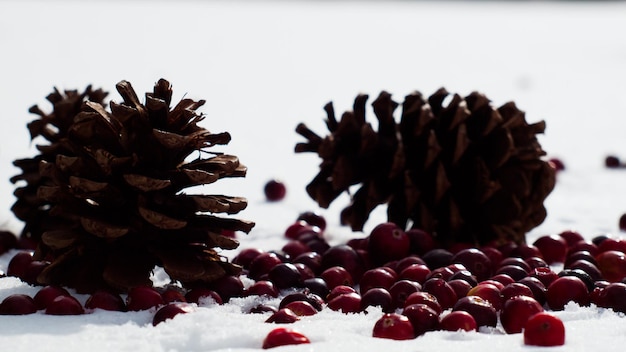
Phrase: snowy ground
[265,66]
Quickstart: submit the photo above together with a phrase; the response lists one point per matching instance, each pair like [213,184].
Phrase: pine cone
[454,166]
[118,204]
[53,127]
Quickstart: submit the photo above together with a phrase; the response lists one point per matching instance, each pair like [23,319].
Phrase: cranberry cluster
[418,285]
[421,287]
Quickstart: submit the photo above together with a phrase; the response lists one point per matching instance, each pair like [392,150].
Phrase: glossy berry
[422,317]
[285,275]
[477,262]
[346,303]
[426,298]
[105,300]
[415,272]
[516,312]
[337,276]
[18,264]
[612,162]
[283,337]
[283,316]
[401,289]
[553,248]
[567,289]
[313,219]
[173,294]
[302,308]
[612,265]
[47,294]
[420,241]
[377,297]
[393,326]
[482,311]
[388,242]
[7,241]
[346,257]
[544,329]
[275,190]
[556,163]
[65,305]
[263,288]
[377,277]
[489,293]
[203,296]
[262,264]
[143,298]
[17,304]
[171,310]
[442,291]
[246,256]
[458,320]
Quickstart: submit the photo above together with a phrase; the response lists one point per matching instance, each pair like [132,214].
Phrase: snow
[265,66]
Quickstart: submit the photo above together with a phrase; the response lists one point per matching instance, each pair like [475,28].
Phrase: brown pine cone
[117,202]
[454,166]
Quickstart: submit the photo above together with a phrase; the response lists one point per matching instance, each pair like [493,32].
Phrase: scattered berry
[65,305]
[275,190]
[544,329]
[171,310]
[283,337]
[17,304]
[393,326]
[143,298]
[105,300]
[458,320]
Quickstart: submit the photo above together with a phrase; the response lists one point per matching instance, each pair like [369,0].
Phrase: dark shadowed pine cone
[52,127]
[117,201]
[454,166]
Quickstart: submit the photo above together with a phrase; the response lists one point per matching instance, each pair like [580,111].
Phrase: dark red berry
[65,305]
[477,262]
[283,337]
[346,303]
[388,242]
[544,329]
[442,291]
[516,312]
[393,326]
[483,312]
[143,298]
[422,317]
[458,320]
[337,276]
[17,304]
[314,219]
[171,310]
[377,297]
[18,264]
[202,296]
[567,289]
[612,162]
[47,294]
[275,190]
[263,288]
[283,316]
[552,247]
[105,300]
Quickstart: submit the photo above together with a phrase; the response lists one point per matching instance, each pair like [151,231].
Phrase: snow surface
[265,66]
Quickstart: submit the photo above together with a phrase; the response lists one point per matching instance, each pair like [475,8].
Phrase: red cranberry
[18,264]
[612,296]
[475,261]
[612,244]
[317,286]
[388,242]
[65,305]
[537,287]
[442,290]
[47,294]
[262,308]
[314,219]
[170,311]
[283,316]
[401,290]
[489,293]
[536,262]
[437,258]
[377,277]
[407,262]
[516,272]
[460,287]
[517,261]
[312,260]
[313,299]
[588,268]
[377,297]
[516,312]
[494,255]
[415,272]
[422,317]
[571,237]
[346,303]
[420,241]
[301,308]
[393,326]
[552,247]
[622,222]
[283,337]
[245,257]
[263,288]
[426,298]
[483,312]
[17,304]
[275,190]
[143,298]
[285,275]
[173,294]
[262,265]
[336,276]
[545,275]
[203,295]
[524,251]
[465,276]
[105,300]
[227,287]
[339,290]
[458,320]
[502,279]
[345,257]
[612,265]
[585,246]
[294,230]
[579,255]
[442,273]
[544,329]
[515,289]
[305,272]
[294,248]
[612,162]
[497,284]
[566,289]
